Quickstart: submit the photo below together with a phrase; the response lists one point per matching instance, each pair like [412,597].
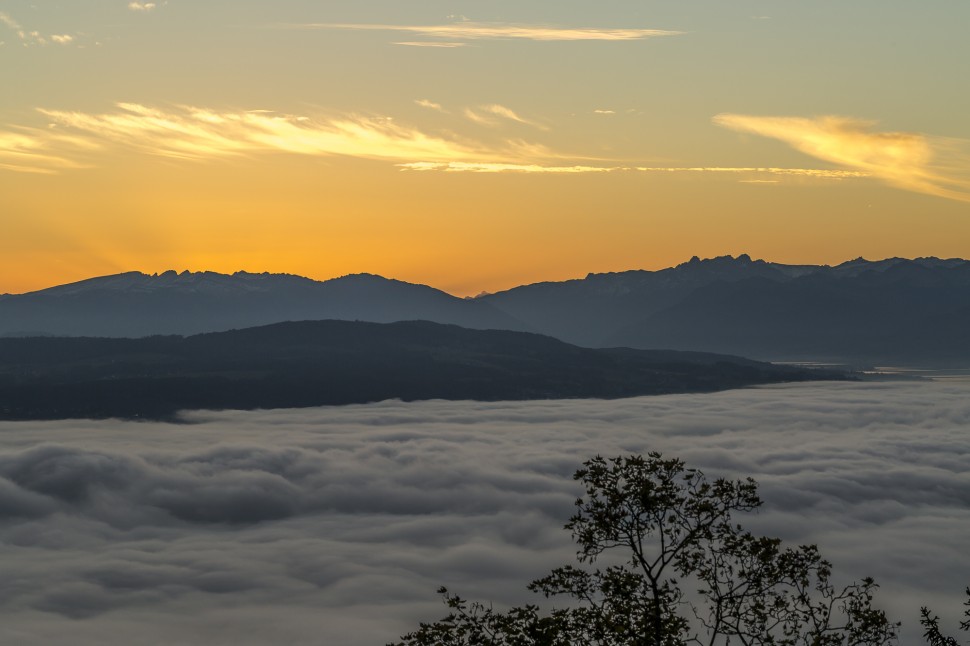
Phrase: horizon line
[693,259]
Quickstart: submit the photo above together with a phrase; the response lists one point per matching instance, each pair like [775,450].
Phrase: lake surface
[336,525]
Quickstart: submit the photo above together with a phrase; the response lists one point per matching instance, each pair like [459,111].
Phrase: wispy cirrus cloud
[40,151]
[431,105]
[431,43]
[201,133]
[914,162]
[499,31]
[479,167]
[30,37]
[478,118]
[818,173]
[142,6]
[508,113]
[486,115]
[193,133]
[495,167]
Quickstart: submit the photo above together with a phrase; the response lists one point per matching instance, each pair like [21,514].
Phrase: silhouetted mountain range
[886,311]
[893,310]
[134,304]
[314,363]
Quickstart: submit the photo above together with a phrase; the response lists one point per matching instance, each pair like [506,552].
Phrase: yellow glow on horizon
[463,232]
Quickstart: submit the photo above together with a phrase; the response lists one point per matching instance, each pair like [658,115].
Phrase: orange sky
[477,149]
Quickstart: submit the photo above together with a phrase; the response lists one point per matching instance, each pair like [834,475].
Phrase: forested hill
[314,363]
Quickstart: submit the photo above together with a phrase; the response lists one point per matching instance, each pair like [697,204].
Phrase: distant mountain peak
[727,260]
[365,276]
[172,280]
[187,302]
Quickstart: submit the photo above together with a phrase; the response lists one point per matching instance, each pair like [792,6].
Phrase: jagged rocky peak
[743,265]
[722,261]
[727,266]
[191,281]
[172,280]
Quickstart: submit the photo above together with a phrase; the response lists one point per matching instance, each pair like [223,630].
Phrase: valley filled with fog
[336,525]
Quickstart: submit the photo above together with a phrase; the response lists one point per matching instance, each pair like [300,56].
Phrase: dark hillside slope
[316,363]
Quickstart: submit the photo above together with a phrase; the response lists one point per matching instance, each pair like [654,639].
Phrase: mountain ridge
[315,363]
[894,309]
[849,266]
[134,304]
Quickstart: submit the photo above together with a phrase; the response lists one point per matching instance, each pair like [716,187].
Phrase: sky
[337,525]
[476,146]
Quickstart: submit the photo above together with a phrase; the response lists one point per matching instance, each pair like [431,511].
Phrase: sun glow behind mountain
[275,419]
[475,148]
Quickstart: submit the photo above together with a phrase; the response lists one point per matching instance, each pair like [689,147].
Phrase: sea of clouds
[336,525]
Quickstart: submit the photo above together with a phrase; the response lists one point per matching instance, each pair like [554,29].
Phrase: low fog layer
[336,525]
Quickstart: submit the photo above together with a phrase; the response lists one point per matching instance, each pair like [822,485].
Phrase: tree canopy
[680,571]
[931,624]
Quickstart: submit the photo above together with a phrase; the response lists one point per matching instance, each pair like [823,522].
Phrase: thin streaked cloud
[198,133]
[485,167]
[29,37]
[431,43]
[491,114]
[193,133]
[508,113]
[499,31]
[910,161]
[431,105]
[141,6]
[41,152]
[478,118]
[819,173]
[473,167]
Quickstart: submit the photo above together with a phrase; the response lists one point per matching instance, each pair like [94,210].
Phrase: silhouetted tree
[931,624]
[674,528]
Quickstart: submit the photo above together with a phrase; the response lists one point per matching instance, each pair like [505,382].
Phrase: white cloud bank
[335,525]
